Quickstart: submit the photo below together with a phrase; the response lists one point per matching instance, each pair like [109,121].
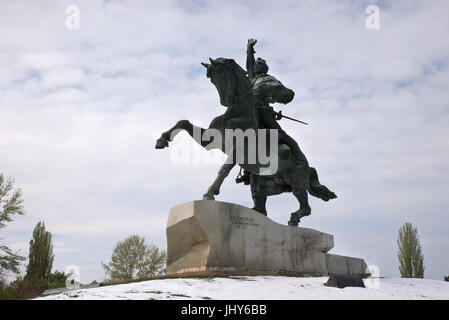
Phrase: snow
[262,288]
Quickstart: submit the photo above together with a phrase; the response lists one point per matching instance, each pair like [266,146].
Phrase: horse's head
[229,79]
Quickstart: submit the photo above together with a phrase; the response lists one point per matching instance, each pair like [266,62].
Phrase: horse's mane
[231,62]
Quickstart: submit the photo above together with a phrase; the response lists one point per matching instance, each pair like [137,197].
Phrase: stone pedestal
[211,236]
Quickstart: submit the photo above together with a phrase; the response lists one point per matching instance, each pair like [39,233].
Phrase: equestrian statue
[247,96]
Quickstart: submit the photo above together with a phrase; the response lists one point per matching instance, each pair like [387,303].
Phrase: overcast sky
[80,111]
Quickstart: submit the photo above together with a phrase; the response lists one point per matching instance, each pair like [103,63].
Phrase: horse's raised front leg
[214,189]
[195,132]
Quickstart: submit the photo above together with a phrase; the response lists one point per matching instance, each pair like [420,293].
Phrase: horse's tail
[318,190]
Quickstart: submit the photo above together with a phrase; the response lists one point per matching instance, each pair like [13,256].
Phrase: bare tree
[132,258]
[11,204]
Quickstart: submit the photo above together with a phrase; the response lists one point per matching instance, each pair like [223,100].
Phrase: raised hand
[252,42]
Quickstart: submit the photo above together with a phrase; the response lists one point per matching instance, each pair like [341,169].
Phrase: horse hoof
[161,143]
[293,223]
[208,197]
[261,211]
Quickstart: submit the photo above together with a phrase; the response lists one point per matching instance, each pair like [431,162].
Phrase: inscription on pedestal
[243,222]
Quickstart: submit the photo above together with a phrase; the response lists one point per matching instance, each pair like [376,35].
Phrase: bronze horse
[235,92]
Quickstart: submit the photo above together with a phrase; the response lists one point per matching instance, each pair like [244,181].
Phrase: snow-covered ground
[263,287]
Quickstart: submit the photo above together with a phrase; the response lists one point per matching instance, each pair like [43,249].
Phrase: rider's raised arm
[250,58]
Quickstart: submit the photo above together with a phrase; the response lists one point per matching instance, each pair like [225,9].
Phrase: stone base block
[208,235]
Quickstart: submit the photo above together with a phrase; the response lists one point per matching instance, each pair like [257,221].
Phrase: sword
[279,116]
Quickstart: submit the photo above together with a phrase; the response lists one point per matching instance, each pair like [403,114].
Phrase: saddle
[284,153]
